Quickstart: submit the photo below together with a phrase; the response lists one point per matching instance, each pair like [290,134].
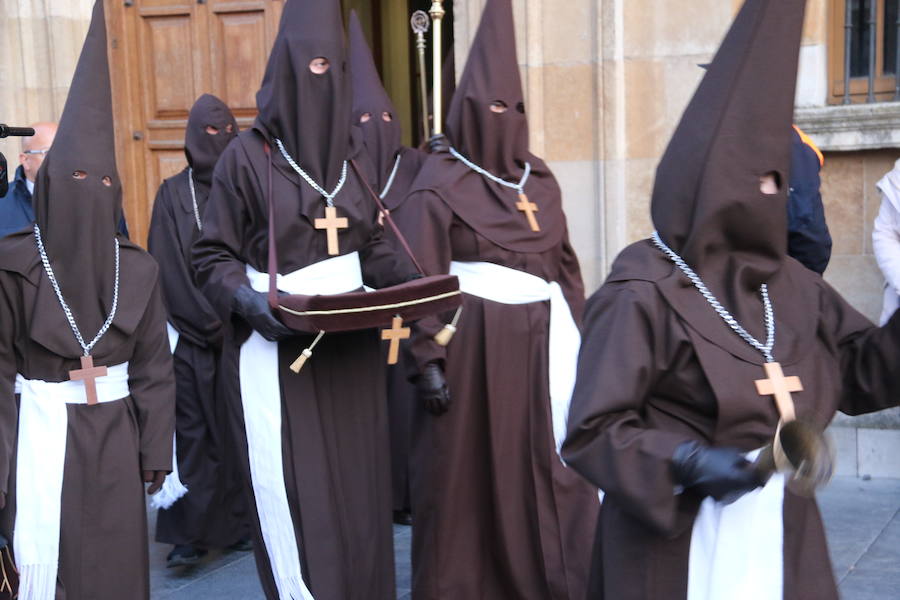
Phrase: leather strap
[273,256]
[388,218]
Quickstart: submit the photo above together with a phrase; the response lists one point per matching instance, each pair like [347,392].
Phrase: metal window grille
[871,46]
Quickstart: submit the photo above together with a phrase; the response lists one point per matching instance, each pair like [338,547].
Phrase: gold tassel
[298,364]
[445,335]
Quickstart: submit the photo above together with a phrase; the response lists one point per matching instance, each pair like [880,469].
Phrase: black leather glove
[253,306]
[432,389]
[722,473]
[438,144]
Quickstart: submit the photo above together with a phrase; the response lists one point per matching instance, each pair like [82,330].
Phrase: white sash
[509,286]
[40,465]
[737,550]
[261,400]
[172,489]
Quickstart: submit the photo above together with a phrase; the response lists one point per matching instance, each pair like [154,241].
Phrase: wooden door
[166,53]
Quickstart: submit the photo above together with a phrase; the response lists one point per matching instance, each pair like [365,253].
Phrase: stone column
[40,41]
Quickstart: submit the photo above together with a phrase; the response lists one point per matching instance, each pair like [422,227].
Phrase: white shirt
[30,186]
[886,241]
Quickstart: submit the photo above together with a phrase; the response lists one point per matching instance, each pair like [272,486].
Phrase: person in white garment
[886,240]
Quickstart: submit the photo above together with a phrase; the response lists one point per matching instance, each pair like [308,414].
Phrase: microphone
[7,131]
[4,177]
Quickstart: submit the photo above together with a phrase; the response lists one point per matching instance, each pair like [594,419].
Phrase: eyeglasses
[45,151]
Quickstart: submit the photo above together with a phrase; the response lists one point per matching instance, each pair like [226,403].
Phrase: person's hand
[438,144]
[155,479]
[721,473]
[253,307]
[432,389]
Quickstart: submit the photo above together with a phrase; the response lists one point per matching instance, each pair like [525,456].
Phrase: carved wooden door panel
[166,53]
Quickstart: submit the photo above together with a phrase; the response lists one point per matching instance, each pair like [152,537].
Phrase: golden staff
[437,15]
[420,24]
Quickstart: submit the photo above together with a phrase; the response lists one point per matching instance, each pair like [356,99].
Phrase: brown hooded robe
[497,516]
[396,167]
[103,538]
[659,367]
[334,413]
[213,512]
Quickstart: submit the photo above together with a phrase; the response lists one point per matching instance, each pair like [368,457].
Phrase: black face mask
[309,112]
[210,129]
[382,137]
[78,194]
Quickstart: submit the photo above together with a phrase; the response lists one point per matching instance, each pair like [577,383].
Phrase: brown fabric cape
[383,144]
[335,426]
[213,513]
[496,514]
[659,367]
[103,538]
[649,380]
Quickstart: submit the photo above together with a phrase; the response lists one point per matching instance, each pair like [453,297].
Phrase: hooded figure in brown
[396,166]
[72,474]
[212,512]
[496,513]
[666,413]
[316,442]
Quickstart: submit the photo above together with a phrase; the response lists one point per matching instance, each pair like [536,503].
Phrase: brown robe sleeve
[382,265]
[216,256]
[9,412]
[152,384]
[187,307]
[869,355]
[609,442]
[428,235]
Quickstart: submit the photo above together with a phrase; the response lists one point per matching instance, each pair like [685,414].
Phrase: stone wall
[40,41]
[851,205]
[606,81]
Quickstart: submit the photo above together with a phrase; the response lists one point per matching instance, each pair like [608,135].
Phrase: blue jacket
[809,240]
[16,211]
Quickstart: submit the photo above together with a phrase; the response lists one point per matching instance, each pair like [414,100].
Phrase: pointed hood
[309,112]
[78,194]
[496,142]
[382,137]
[707,203]
[211,127]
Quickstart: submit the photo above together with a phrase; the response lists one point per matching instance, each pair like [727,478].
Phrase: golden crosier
[437,16]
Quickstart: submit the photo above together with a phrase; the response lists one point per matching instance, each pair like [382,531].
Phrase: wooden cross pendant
[781,387]
[88,374]
[331,224]
[529,208]
[396,333]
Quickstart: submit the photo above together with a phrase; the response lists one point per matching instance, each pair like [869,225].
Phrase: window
[863,49]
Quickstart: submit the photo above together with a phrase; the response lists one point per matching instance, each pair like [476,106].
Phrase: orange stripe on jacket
[808,141]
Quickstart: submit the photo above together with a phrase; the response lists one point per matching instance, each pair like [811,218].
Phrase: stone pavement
[862,519]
